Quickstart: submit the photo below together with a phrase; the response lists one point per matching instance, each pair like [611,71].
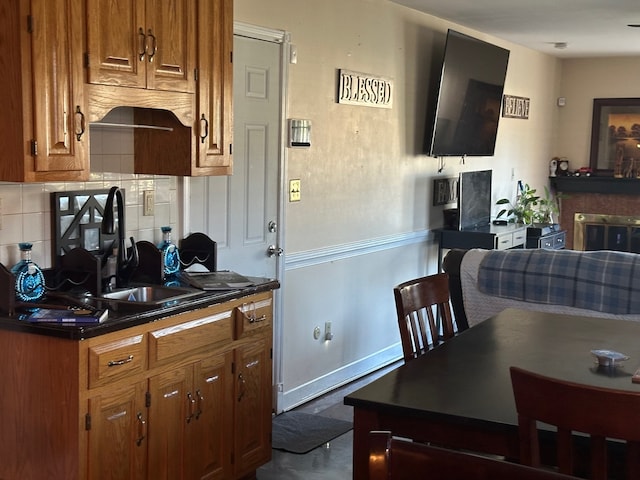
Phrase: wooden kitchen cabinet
[147,44]
[117,434]
[43,127]
[215,88]
[187,397]
[191,413]
[252,427]
[206,148]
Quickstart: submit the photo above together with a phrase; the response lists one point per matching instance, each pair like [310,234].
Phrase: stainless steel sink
[152,295]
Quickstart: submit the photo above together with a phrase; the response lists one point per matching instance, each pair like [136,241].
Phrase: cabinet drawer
[167,344]
[504,241]
[559,240]
[252,316]
[112,361]
[519,237]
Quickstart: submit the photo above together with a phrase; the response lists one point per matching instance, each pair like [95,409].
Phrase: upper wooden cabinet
[43,122]
[206,148]
[215,94]
[142,44]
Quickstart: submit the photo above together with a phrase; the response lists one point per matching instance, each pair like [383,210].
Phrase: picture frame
[615,137]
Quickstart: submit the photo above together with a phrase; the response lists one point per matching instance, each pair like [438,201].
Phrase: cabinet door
[172,408]
[171,44]
[117,434]
[253,405]
[215,81]
[116,38]
[209,434]
[59,141]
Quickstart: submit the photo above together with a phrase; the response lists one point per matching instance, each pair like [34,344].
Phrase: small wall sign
[515,107]
[356,88]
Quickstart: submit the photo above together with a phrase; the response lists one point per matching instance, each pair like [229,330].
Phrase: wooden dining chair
[392,458]
[421,304]
[598,412]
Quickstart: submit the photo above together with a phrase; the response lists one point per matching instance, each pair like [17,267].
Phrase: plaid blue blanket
[603,281]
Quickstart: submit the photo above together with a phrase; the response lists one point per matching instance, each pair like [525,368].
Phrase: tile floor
[331,460]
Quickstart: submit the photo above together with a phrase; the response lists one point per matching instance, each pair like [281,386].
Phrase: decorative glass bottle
[170,255]
[30,285]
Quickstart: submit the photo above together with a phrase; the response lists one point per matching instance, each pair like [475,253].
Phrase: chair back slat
[422,304]
[600,413]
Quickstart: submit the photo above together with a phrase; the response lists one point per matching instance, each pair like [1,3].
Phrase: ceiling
[590,28]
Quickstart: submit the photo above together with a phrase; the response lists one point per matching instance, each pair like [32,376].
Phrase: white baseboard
[337,378]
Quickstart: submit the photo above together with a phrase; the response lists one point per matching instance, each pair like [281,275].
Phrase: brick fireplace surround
[595,195]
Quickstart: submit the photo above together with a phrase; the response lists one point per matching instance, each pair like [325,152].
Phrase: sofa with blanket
[596,283]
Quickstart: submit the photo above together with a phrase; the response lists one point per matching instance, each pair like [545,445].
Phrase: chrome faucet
[127,259]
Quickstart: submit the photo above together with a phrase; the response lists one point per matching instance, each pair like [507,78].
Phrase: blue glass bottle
[30,285]
[170,254]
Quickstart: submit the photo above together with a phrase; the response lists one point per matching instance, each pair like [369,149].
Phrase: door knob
[273,250]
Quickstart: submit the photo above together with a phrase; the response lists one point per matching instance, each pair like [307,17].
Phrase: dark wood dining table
[459,394]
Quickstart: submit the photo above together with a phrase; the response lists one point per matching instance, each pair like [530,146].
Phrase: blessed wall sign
[356,88]
[515,107]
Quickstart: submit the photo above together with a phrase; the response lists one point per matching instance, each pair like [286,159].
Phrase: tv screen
[474,200]
[467,111]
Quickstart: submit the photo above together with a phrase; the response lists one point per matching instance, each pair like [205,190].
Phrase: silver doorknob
[273,250]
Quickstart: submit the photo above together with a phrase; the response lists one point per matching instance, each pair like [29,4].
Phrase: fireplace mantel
[608,185]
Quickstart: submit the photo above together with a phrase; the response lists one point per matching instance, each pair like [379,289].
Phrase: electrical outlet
[327,331]
[149,203]
[294,190]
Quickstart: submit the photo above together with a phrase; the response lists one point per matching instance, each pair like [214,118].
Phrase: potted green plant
[523,209]
[530,208]
[548,208]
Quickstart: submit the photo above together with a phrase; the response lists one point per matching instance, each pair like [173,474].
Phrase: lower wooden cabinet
[252,433]
[117,434]
[191,414]
[187,397]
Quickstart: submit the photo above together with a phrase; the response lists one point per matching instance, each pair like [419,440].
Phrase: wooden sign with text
[515,107]
[356,88]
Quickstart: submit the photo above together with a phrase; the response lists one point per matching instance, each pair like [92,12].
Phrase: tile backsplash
[25,208]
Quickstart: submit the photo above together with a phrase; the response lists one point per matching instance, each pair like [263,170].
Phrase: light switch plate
[149,203]
[294,190]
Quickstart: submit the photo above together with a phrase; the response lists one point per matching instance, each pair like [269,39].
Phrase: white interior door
[240,212]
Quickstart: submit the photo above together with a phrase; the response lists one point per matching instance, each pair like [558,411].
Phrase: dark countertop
[119,319]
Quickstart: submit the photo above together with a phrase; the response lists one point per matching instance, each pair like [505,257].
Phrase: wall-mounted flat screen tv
[465,120]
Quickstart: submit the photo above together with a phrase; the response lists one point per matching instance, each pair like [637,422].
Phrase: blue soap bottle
[30,286]
[170,254]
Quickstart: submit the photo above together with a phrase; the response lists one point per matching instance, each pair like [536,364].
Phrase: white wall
[365,181]
[582,81]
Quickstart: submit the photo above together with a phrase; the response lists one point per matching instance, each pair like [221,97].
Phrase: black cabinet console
[493,237]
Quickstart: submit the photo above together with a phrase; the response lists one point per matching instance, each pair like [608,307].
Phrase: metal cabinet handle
[241,387]
[82,123]
[200,401]
[204,128]
[141,429]
[65,129]
[154,45]
[142,39]
[192,402]
[115,363]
